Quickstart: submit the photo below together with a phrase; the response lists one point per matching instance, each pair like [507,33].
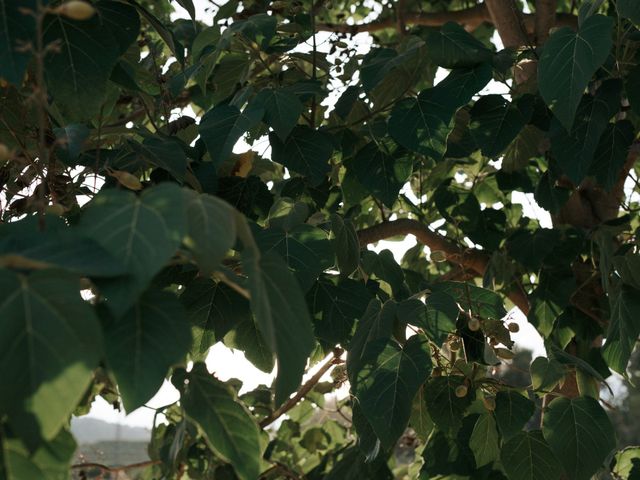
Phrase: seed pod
[473,324]
[513,327]
[126,179]
[461,391]
[454,345]
[55,209]
[76,10]
[504,353]
[438,256]
[489,403]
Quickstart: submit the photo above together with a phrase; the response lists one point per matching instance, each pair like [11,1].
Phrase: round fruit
[126,179]
[473,324]
[5,153]
[513,327]
[438,256]
[489,403]
[76,10]
[454,345]
[461,391]
[504,353]
[55,209]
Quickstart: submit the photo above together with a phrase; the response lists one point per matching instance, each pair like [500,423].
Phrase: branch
[470,16]
[507,19]
[545,19]
[304,390]
[470,259]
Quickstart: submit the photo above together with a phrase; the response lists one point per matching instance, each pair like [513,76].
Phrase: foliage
[134,236]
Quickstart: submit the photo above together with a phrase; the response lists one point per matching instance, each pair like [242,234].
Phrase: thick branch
[304,390]
[545,19]
[470,16]
[106,468]
[472,260]
[507,19]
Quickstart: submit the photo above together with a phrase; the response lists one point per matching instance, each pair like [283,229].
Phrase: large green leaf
[222,126]
[18,28]
[122,20]
[629,9]
[346,243]
[382,174]
[50,461]
[67,249]
[336,303]
[484,440]
[546,373]
[612,153]
[445,408]
[495,123]
[580,435]
[229,428]
[386,388]
[624,328]
[50,343]
[144,343]
[77,73]
[247,338]
[575,149]
[305,249]
[281,110]
[165,153]
[282,317]
[568,62]
[212,310]
[436,316]
[305,151]
[480,301]
[527,456]
[512,412]
[211,229]
[453,47]
[142,231]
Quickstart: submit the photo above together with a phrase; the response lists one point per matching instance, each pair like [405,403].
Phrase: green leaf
[213,309]
[453,47]
[512,412]
[165,153]
[445,408]
[632,88]
[624,328]
[629,9]
[122,20]
[50,343]
[527,456]
[628,267]
[420,421]
[336,303]
[568,62]
[436,316]
[382,174]
[78,73]
[495,123]
[143,231]
[527,145]
[247,338]
[230,430]
[423,124]
[612,153]
[480,301]
[222,126]
[281,110]
[65,248]
[386,389]
[384,266]
[282,317]
[546,374]
[211,229]
[189,7]
[484,440]
[142,345]
[370,338]
[17,28]
[305,249]
[347,245]
[580,435]
[574,150]
[50,461]
[305,151]
[627,464]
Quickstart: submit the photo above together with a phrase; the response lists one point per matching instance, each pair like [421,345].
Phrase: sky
[225,363]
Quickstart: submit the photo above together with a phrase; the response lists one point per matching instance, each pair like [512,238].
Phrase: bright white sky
[226,363]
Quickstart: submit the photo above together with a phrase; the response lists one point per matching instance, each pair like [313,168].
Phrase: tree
[133,238]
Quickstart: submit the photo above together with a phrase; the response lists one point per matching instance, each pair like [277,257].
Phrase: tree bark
[545,19]
[507,19]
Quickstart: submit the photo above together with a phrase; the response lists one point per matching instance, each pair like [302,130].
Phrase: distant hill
[91,430]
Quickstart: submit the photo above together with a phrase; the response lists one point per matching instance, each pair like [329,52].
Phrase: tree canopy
[136,232]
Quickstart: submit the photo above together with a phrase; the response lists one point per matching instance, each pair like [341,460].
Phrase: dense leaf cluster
[133,238]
